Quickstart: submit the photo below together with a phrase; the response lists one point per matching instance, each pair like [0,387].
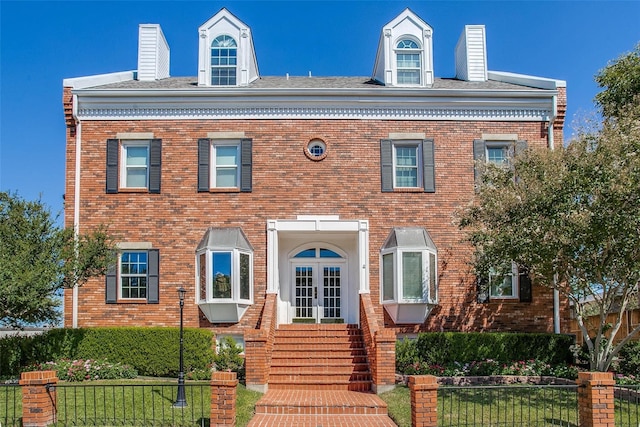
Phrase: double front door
[317,292]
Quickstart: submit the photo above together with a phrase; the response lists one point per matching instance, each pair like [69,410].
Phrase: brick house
[307,201]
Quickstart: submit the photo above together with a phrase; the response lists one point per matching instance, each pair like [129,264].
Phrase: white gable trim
[225,23]
[409,25]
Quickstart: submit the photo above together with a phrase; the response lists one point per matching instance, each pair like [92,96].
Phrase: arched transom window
[224,58]
[408,55]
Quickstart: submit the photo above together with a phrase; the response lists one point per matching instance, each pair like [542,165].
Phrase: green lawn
[513,405]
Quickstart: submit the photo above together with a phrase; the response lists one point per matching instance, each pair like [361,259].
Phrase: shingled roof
[188,83]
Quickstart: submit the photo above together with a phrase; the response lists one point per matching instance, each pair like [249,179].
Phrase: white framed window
[134,172]
[497,153]
[409,267]
[224,60]
[504,284]
[408,62]
[133,275]
[407,165]
[224,266]
[225,166]
[225,276]
[409,276]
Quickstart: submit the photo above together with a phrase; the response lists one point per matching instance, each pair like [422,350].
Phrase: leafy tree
[38,259]
[620,80]
[571,217]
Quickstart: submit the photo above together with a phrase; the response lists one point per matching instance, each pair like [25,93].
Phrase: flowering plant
[85,370]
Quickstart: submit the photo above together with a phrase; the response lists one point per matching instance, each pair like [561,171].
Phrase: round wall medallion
[316,149]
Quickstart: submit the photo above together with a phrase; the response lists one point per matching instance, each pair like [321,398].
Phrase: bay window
[224,267]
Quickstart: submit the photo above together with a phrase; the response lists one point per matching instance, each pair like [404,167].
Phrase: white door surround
[349,237]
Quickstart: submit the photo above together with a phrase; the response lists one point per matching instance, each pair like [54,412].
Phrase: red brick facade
[286,184]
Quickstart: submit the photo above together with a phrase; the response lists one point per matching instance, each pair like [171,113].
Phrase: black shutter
[111,284]
[520,147]
[386,165]
[155,163]
[479,158]
[153,275]
[246,162]
[204,148]
[112,165]
[482,286]
[524,285]
[428,165]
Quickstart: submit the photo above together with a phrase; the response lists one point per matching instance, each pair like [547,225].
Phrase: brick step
[320,402]
[327,376]
[319,357]
[325,385]
[319,364]
[310,337]
[278,420]
[319,333]
[361,368]
[314,347]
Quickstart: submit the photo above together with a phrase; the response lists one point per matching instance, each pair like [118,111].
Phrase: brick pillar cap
[422,379]
[223,376]
[598,376]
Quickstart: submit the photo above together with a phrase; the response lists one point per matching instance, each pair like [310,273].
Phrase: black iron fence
[508,405]
[132,405]
[10,405]
[627,405]
[140,404]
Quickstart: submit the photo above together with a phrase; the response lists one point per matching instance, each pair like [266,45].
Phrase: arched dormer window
[408,60]
[224,60]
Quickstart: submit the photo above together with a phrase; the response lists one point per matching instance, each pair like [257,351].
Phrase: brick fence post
[223,398]
[424,400]
[595,399]
[38,400]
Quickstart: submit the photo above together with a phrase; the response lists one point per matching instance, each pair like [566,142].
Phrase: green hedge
[447,347]
[151,351]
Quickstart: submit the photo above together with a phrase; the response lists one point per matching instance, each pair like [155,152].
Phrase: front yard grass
[503,405]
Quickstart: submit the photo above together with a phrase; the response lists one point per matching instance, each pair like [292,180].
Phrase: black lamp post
[181,401]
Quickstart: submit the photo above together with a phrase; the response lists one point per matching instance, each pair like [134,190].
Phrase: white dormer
[226,56]
[405,52]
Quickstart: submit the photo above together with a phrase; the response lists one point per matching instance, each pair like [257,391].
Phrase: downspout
[76,204]
[556,293]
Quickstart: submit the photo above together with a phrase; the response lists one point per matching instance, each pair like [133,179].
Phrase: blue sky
[41,43]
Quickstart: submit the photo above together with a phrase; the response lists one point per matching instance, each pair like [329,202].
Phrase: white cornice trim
[525,105]
[374,113]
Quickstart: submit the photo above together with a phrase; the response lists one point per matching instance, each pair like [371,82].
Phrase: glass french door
[317,292]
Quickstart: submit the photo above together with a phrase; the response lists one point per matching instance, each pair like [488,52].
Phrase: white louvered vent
[153,53]
[471,54]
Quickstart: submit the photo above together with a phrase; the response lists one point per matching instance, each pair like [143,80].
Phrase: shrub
[150,351]
[630,358]
[446,347]
[406,355]
[229,357]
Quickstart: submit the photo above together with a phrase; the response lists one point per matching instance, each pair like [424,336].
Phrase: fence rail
[627,405]
[508,405]
[132,405]
[10,405]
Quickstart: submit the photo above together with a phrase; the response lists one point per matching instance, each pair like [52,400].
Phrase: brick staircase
[320,376]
